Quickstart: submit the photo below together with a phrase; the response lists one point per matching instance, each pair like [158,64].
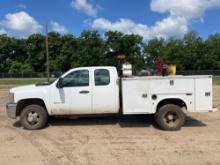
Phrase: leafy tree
[6,52]
[173,53]
[68,54]
[129,45]
[19,67]
[90,49]
[36,52]
[211,58]
[153,50]
[193,46]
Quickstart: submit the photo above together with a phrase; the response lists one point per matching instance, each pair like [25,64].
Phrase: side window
[102,77]
[76,79]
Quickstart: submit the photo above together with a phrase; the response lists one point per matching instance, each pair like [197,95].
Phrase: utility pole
[47,52]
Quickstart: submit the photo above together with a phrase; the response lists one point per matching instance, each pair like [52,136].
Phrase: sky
[148,18]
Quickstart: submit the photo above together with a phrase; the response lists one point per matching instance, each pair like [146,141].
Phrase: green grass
[13,82]
[216,80]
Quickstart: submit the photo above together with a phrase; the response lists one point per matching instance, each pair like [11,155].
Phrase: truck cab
[91,90]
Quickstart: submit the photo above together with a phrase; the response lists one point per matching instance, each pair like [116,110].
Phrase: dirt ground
[129,140]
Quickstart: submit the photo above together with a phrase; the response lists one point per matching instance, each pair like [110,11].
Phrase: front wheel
[170,117]
[33,117]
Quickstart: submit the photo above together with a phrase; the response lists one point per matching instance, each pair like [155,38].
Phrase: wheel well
[178,102]
[23,103]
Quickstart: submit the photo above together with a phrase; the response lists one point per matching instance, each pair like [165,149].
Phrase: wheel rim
[171,118]
[33,118]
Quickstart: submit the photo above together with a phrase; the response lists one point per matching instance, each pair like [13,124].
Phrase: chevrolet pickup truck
[89,91]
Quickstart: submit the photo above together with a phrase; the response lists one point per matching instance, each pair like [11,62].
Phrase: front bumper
[11,110]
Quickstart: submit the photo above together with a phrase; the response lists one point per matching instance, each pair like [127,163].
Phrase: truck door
[75,97]
[105,91]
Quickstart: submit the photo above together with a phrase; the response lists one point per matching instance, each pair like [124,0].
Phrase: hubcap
[33,118]
[171,118]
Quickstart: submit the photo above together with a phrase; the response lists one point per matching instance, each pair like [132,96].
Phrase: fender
[32,92]
[183,97]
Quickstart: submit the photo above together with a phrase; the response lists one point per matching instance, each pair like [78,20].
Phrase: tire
[170,117]
[33,117]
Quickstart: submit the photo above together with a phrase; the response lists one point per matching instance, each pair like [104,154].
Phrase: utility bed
[141,95]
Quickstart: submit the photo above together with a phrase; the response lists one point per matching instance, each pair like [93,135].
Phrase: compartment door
[203,94]
[136,98]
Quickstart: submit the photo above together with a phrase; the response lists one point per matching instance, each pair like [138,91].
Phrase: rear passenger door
[104,92]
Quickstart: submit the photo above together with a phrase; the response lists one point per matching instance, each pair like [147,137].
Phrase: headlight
[11,97]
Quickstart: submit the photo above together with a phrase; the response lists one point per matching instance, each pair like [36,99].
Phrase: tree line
[91,49]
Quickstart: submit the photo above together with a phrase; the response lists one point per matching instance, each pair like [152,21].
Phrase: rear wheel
[170,117]
[33,117]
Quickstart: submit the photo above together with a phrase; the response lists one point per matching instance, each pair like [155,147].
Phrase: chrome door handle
[84,92]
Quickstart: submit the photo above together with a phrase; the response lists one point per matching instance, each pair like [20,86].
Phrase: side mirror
[60,83]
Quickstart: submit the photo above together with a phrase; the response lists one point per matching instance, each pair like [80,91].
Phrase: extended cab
[99,90]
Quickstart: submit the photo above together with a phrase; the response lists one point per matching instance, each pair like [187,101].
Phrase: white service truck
[98,90]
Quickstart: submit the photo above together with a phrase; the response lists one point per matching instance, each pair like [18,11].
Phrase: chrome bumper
[11,110]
